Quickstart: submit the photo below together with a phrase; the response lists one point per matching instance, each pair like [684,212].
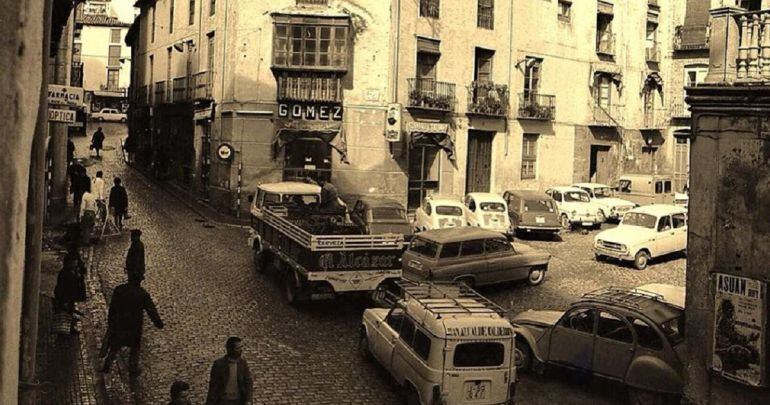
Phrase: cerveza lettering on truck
[352,261]
[480,331]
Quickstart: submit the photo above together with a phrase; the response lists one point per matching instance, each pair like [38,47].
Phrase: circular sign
[225,152]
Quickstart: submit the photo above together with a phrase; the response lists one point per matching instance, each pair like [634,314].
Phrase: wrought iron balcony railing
[487,98]
[605,45]
[313,87]
[537,106]
[201,85]
[181,91]
[608,115]
[691,37]
[679,109]
[429,94]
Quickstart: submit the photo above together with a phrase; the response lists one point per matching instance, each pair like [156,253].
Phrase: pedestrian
[230,381]
[97,141]
[70,150]
[76,171]
[97,189]
[70,288]
[135,256]
[179,393]
[118,203]
[124,322]
[87,214]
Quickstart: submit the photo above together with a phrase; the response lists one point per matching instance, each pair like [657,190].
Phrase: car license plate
[475,390]
[540,220]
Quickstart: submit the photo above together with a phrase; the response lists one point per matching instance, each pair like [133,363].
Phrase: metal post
[238,190]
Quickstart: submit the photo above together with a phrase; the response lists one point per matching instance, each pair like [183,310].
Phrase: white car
[438,213]
[610,207]
[488,211]
[644,233]
[109,114]
[575,207]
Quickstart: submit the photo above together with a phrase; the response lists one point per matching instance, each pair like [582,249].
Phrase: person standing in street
[70,289]
[135,256]
[124,322]
[97,141]
[70,150]
[179,393]
[76,171]
[230,382]
[118,202]
[87,213]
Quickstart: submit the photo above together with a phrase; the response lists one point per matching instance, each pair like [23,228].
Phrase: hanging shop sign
[225,152]
[740,329]
[65,95]
[67,116]
[310,111]
[393,123]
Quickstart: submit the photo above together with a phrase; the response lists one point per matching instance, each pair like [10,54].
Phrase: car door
[665,237]
[572,339]
[472,262]
[614,346]
[400,365]
[383,340]
[680,232]
[504,263]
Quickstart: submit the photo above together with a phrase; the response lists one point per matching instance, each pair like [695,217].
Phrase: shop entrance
[307,158]
[424,170]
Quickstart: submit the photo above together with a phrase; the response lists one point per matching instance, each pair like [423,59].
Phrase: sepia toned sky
[124,10]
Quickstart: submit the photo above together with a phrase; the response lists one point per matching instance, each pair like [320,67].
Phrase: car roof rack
[447,298]
[623,296]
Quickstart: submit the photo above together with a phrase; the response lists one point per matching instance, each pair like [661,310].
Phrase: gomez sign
[322,112]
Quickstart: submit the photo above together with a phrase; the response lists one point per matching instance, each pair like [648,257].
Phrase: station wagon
[532,212]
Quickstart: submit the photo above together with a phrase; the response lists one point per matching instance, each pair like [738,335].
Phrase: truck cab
[443,343]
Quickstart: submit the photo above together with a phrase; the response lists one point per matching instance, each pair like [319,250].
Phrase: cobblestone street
[200,275]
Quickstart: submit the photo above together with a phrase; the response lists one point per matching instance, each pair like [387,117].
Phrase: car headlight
[624,248]
[599,242]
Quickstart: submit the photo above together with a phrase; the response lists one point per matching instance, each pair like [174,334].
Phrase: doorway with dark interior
[307,158]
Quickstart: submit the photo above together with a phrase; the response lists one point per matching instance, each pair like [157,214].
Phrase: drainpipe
[510,74]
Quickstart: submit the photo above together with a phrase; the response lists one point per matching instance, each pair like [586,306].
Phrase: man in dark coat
[135,256]
[230,382]
[77,172]
[118,202]
[97,141]
[124,322]
[70,150]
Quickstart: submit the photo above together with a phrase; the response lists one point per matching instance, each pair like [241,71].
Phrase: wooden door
[600,169]
[479,167]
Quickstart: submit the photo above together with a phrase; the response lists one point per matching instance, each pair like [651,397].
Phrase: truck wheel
[638,396]
[565,224]
[291,291]
[522,356]
[641,260]
[536,276]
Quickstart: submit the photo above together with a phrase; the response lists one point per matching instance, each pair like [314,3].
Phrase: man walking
[97,141]
[87,213]
[76,172]
[230,382]
[118,202]
[124,322]
[97,189]
[135,256]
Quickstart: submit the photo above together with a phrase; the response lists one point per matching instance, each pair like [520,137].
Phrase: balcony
[159,92]
[655,118]
[691,38]
[608,115]
[652,53]
[313,87]
[679,110]
[429,94]
[605,44]
[487,98]
[76,74]
[181,92]
[201,86]
[535,106]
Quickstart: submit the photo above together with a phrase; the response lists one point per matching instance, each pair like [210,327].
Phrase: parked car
[646,189]
[109,114]
[643,234]
[438,213]
[381,215]
[488,211]
[532,212]
[443,344]
[610,207]
[629,335]
[474,256]
[575,207]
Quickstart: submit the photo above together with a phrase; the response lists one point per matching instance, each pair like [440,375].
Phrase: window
[407,330]
[581,320]
[680,221]
[664,224]
[113,58]
[479,354]
[663,187]
[429,8]
[191,13]
[486,14]
[394,318]
[472,247]
[532,77]
[423,247]
[152,23]
[603,90]
[565,10]
[556,196]
[212,7]
[76,50]
[449,210]
[751,5]
[605,43]
[450,250]
[614,328]
[113,79]
[211,52]
[647,336]
[171,16]
[421,345]
[624,186]
[320,46]
[497,245]
[529,157]
[472,205]
[483,65]
[115,36]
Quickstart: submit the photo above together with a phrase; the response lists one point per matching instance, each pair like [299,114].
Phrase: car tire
[565,224]
[641,260]
[290,289]
[522,356]
[638,396]
[536,276]
[363,347]
[123,120]
[469,281]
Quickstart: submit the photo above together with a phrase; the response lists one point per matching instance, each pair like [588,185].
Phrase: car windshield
[602,192]
[479,354]
[674,330]
[301,198]
[388,213]
[639,219]
[423,247]
[449,210]
[492,207]
[542,205]
[579,196]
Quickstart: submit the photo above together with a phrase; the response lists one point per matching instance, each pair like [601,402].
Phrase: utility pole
[59,129]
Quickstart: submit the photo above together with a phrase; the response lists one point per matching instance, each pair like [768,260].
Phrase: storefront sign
[96,8]
[200,115]
[740,329]
[67,116]
[427,127]
[63,95]
[393,123]
[225,152]
[308,111]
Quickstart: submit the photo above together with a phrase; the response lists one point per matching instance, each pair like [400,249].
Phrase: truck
[317,254]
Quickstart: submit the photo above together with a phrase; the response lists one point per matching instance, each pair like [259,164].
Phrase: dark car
[532,212]
[631,335]
[379,215]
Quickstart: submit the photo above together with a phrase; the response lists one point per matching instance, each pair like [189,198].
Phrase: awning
[652,137]
[330,132]
[433,134]
[654,80]
[427,45]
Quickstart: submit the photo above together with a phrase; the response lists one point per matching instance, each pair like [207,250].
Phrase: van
[646,189]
